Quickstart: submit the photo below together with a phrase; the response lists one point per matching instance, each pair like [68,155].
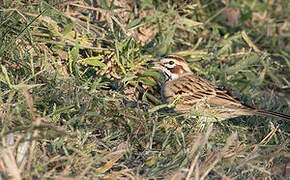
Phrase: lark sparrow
[193,93]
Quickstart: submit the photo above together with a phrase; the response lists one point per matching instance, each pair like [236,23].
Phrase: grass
[79,100]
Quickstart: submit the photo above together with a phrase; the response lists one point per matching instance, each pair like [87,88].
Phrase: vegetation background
[79,100]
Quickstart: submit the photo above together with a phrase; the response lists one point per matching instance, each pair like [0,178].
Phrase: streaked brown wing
[192,89]
[224,99]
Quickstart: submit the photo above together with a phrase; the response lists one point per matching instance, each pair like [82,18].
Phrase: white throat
[169,76]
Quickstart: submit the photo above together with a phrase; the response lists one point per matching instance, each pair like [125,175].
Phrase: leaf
[93,61]
[27,86]
[104,4]
[6,79]
[68,28]
[147,81]
[75,52]
[243,64]
[152,73]
[190,23]
[135,23]
[109,164]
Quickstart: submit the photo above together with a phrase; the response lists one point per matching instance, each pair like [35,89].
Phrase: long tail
[273,114]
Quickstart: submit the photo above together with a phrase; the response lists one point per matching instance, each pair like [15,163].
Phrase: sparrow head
[172,67]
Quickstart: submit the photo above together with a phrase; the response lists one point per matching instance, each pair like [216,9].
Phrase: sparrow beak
[156,65]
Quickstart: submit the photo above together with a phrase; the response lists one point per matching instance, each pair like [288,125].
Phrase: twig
[37,121]
[250,42]
[9,161]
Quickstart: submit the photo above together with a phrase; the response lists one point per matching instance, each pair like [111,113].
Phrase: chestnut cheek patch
[177,69]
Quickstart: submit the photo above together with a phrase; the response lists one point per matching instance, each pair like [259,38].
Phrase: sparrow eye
[171,62]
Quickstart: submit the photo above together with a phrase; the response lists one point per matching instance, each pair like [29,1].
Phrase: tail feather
[273,114]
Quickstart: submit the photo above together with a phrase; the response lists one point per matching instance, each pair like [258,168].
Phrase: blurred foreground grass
[79,101]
